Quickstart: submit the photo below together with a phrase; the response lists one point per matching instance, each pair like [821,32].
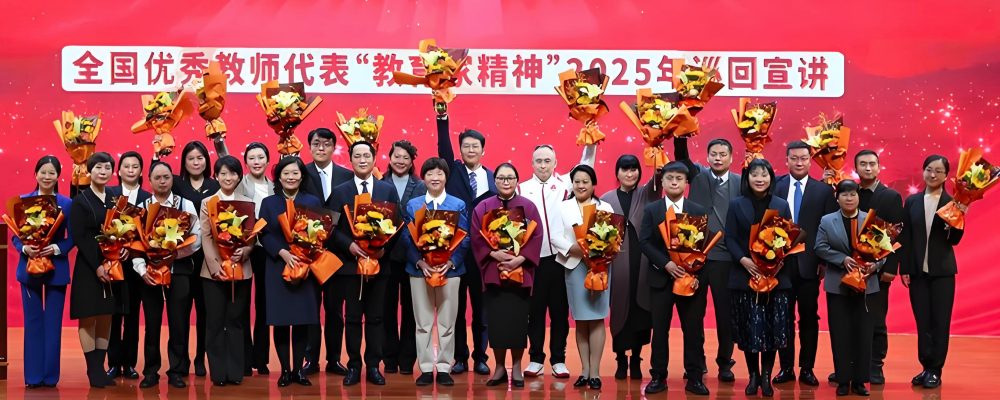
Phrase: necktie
[718,180]
[326,184]
[472,182]
[798,201]
[364,187]
[432,205]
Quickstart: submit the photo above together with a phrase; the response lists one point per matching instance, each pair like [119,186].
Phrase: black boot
[765,384]
[753,385]
[635,366]
[95,369]
[101,356]
[622,371]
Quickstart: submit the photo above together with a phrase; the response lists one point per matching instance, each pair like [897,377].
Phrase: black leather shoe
[335,368]
[635,367]
[753,385]
[656,386]
[199,369]
[262,370]
[310,368]
[595,383]
[235,383]
[48,385]
[832,378]
[375,377]
[517,383]
[425,379]
[114,372]
[696,387]
[860,390]
[220,383]
[878,378]
[481,368]
[919,379]
[843,390]
[285,379]
[353,377]
[785,375]
[444,379]
[807,377]
[580,382]
[932,381]
[726,372]
[766,389]
[301,378]
[460,367]
[496,382]
[176,382]
[32,385]
[130,373]
[149,381]
[622,371]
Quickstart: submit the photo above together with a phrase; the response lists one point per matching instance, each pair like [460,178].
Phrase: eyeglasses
[506,179]
[321,145]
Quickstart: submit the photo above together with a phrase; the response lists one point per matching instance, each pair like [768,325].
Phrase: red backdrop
[912,87]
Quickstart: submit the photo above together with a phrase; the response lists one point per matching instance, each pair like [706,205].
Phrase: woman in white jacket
[589,309]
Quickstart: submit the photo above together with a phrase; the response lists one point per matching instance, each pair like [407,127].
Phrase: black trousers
[548,294]
[261,332]
[851,332]
[691,311]
[199,308]
[932,299]
[805,293]
[364,301]
[123,348]
[472,282]
[332,299]
[178,302]
[716,276]
[878,304]
[225,308]
[400,348]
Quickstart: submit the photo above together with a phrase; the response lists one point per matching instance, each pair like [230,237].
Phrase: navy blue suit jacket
[738,223]
[343,237]
[458,180]
[817,200]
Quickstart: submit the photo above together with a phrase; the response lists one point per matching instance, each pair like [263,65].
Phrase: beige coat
[213,261]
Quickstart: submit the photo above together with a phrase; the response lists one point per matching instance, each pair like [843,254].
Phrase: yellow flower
[977,176]
[126,219]
[587,93]
[34,209]
[653,118]
[497,223]
[780,232]
[284,100]
[375,215]
[770,255]
[223,226]
[368,128]
[599,245]
[746,123]
[225,216]
[26,229]
[363,227]
[235,231]
[433,224]
[170,222]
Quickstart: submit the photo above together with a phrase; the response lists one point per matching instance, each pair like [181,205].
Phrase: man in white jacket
[546,189]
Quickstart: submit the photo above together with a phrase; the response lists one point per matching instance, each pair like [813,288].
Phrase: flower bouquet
[162,114]
[657,120]
[373,223]
[975,176]
[688,243]
[361,127]
[286,106]
[829,142]
[583,92]
[600,236]
[876,241]
[211,93]
[508,230]
[754,122]
[119,233]
[164,231]
[695,85]
[34,220]
[773,239]
[306,229]
[79,136]
[437,235]
[441,68]
[233,227]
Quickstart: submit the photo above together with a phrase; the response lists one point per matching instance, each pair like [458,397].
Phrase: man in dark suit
[660,277]
[714,186]
[809,200]
[471,182]
[887,205]
[324,175]
[365,296]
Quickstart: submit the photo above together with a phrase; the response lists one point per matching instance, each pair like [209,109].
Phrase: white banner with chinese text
[160,68]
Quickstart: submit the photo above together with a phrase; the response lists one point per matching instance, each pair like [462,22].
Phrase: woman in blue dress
[291,308]
[44,296]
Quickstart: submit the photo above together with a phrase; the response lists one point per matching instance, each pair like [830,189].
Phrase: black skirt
[762,321]
[507,316]
[89,297]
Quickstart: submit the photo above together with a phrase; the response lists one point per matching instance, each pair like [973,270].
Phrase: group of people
[506,316]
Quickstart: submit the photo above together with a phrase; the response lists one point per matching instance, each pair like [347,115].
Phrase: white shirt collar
[678,206]
[436,200]
[223,197]
[467,169]
[328,170]
[803,181]
[873,187]
[724,177]
[370,180]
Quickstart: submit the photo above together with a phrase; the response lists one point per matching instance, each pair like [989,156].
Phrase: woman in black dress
[91,300]
[291,308]
[195,183]
[256,186]
[762,322]
[631,324]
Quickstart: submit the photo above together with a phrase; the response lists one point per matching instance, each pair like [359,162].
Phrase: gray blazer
[702,191]
[832,246]
[247,187]
[414,188]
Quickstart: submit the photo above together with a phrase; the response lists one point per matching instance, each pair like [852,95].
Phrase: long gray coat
[620,296]
[832,246]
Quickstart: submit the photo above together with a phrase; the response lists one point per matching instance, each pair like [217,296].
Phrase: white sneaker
[560,371]
[534,370]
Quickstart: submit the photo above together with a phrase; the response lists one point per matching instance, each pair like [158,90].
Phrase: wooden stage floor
[968,375]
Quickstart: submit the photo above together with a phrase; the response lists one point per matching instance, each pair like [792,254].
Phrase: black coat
[739,221]
[342,234]
[116,191]
[653,246]
[414,188]
[817,200]
[458,180]
[886,203]
[287,303]
[315,186]
[89,297]
[940,246]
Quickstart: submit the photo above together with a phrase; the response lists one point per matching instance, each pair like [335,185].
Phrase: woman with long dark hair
[761,324]
[43,296]
[929,267]
[92,301]
[195,183]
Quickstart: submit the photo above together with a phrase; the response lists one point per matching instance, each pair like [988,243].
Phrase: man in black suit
[887,204]
[365,296]
[324,175]
[809,200]
[714,186]
[690,310]
[471,182]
